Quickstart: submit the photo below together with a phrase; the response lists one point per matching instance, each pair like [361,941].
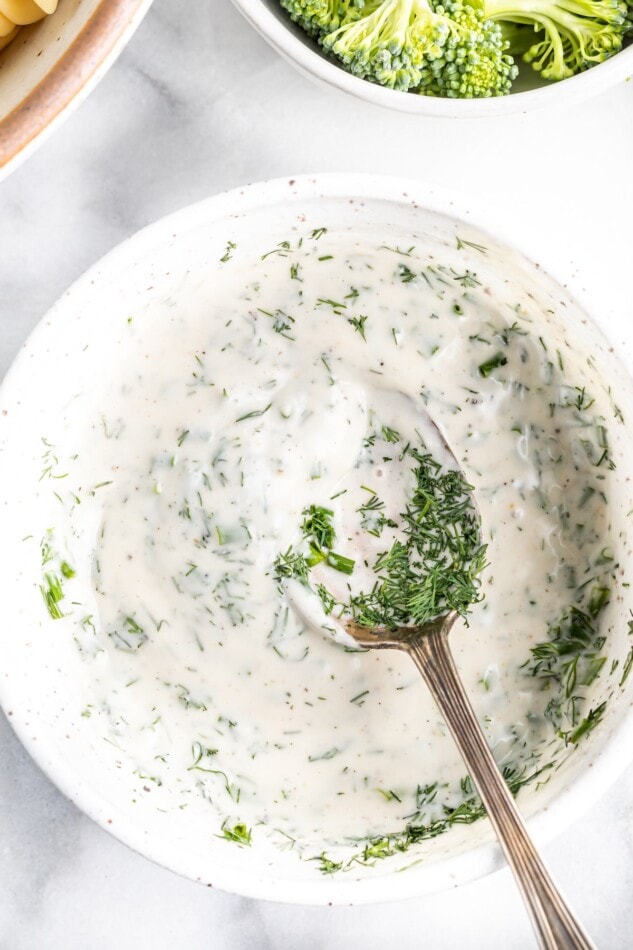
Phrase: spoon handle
[554,924]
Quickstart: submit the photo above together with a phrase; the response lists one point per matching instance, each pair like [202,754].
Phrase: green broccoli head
[318,17]
[463,48]
[474,61]
[561,37]
[380,46]
[448,50]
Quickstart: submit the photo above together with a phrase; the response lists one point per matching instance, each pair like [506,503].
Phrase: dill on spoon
[433,556]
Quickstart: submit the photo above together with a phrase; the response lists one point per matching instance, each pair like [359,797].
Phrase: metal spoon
[554,924]
[427,645]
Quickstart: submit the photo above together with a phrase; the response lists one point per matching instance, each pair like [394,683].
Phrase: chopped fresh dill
[281,250]
[388,795]
[590,721]
[405,274]
[317,525]
[291,564]
[239,833]
[359,325]
[436,567]
[326,865]
[334,304]
[318,531]
[255,413]
[505,334]
[52,593]
[390,435]
[199,752]
[66,569]
[467,279]
[100,485]
[626,669]
[360,698]
[324,756]
[462,243]
[281,322]
[570,660]
[420,826]
[398,250]
[345,565]
[58,570]
[230,247]
[373,519]
[486,368]
[327,599]
[128,635]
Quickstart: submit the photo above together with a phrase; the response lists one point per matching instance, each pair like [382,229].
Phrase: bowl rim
[70,79]
[319,67]
[608,762]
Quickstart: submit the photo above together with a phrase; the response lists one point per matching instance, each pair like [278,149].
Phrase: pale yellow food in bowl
[51,59]
[17,13]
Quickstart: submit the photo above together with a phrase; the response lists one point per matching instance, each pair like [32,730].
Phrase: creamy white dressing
[217,425]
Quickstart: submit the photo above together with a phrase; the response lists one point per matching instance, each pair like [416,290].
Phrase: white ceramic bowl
[52,65]
[274,24]
[41,671]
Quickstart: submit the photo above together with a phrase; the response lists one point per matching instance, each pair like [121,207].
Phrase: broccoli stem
[566,36]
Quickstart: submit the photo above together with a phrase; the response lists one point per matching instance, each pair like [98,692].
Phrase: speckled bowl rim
[317,66]
[608,762]
[70,80]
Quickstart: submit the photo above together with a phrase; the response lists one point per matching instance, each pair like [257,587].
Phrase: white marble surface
[198,104]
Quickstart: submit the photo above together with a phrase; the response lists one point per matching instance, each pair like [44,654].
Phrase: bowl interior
[47,685]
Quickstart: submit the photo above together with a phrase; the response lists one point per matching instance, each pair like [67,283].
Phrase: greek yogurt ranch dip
[183,474]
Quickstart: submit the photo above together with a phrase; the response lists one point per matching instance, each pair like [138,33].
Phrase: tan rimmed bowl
[53,64]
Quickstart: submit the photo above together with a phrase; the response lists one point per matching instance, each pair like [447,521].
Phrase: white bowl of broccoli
[501,56]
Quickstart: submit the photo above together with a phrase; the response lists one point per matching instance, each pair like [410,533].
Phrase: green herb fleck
[52,593]
[462,243]
[230,247]
[317,524]
[359,325]
[238,833]
[626,669]
[437,567]
[405,274]
[590,721]
[255,413]
[327,865]
[485,369]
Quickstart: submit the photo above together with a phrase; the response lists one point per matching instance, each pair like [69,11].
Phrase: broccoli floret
[389,44]
[449,50]
[474,62]
[318,17]
[561,37]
